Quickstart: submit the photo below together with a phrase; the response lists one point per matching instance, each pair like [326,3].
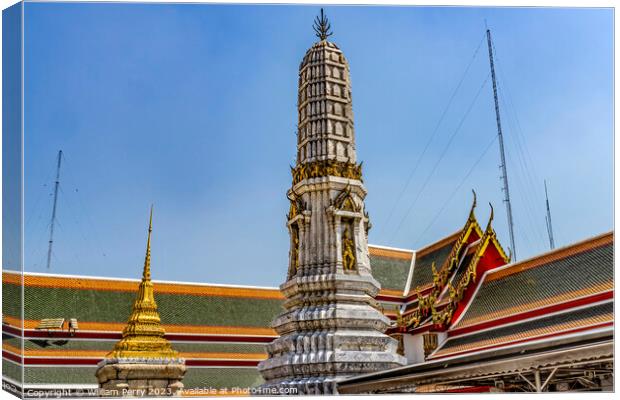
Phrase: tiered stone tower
[332,327]
[143,362]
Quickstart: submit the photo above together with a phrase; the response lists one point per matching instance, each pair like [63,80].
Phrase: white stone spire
[332,327]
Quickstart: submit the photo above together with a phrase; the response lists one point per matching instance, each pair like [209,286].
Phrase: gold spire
[146,273]
[143,337]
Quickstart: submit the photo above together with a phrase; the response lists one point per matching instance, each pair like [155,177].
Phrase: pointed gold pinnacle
[143,337]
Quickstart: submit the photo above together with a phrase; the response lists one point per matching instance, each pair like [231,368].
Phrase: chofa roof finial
[322,27]
[490,218]
[473,206]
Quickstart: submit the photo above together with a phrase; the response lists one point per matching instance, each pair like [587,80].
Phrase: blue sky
[193,108]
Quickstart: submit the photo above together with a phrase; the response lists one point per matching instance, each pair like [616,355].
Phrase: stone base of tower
[140,377]
[317,385]
[322,344]
[317,372]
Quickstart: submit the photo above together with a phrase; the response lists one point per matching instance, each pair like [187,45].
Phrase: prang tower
[331,327]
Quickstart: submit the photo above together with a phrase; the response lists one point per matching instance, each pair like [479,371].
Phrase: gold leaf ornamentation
[322,168]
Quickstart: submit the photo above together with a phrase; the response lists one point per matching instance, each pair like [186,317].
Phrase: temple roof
[220,330]
[232,337]
[555,309]
[564,291]
[104,304]
[568,273]
[559,291]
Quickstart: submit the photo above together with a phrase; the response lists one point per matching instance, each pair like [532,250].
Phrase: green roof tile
[177,309]
[422,271]
[390,272]
[458,275]
[195,377]
[201,377]
[60,375]
[11,300]
[579,271]
[11,370]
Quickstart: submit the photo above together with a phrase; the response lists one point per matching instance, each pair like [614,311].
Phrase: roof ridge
[133,280]
[439,243]
[377,246]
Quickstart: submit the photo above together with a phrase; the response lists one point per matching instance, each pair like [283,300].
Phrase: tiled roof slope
[109,301]
[195,377]
[228,327]
[11,298]
[572,272]
[462,268]
[390,267]
[11,370]
[555,324]
[435,253]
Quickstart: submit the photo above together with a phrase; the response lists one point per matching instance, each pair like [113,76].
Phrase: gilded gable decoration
[345,201]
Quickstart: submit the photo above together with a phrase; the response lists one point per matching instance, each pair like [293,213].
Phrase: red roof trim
[11,330]
[486,262]
[393,299]
[30,333]
[95,361]
[12,357]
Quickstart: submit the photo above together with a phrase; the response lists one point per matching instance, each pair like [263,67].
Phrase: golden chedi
[143,362]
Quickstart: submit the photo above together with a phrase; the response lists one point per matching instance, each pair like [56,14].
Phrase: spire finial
[322,27]
[146,274]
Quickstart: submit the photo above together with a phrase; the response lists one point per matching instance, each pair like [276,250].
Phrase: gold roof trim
[426,304]
[456,294]
[143,337]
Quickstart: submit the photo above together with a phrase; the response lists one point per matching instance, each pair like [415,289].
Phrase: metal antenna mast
[501,150]
[51,241]
[548,219]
